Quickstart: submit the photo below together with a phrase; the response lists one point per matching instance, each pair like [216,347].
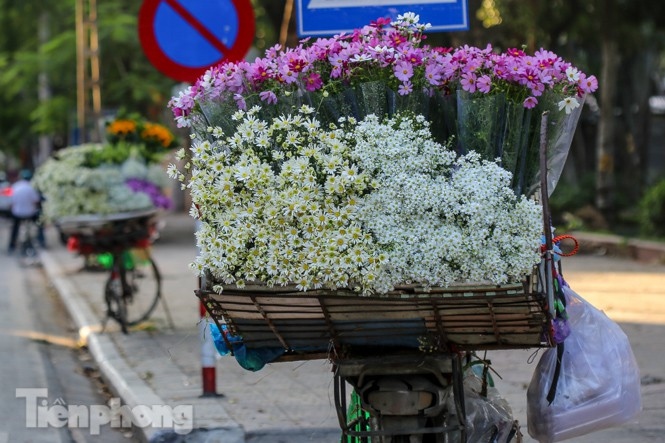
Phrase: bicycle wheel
[145,283]
[27,247]
[116,304]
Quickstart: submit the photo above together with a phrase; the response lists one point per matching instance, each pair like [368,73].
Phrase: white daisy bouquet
[364,204]
[71,186]
[124,174]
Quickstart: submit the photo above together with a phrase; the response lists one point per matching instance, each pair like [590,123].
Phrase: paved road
[39,351]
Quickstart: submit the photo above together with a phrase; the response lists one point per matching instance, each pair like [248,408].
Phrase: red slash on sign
[183,38]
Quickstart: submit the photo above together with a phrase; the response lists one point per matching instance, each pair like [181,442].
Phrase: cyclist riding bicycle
[25,205]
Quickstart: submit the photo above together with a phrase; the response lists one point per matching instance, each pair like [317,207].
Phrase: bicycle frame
[27,241]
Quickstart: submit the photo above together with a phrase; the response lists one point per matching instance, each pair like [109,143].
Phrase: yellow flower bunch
[158,133]
[131,134]
[121,127]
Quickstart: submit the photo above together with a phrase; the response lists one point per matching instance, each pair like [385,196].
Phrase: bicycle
[121,243]
[423,400]
[133,287]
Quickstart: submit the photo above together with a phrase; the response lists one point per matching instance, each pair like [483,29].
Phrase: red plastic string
[575,250]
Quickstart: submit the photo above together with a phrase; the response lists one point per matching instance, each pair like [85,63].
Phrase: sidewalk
[293,402]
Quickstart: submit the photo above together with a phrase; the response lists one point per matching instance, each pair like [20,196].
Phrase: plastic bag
[489,418]
[599,382]
[252,359]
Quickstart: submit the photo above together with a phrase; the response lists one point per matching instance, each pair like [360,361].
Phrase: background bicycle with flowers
[105,198]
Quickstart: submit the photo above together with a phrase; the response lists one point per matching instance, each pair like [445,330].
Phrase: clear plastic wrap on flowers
[480,123]
[215,113]
[498,128]
[372,98]
[362,100]
[443,117]
[560,132]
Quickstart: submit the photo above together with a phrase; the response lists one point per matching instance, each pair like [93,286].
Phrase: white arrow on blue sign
[330,17]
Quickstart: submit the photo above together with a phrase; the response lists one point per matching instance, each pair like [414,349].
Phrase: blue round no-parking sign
[183,38]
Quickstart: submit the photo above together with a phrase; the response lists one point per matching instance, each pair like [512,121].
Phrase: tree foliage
[128,80]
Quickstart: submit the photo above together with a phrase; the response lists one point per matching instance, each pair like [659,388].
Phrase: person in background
[26,204]
[5,195]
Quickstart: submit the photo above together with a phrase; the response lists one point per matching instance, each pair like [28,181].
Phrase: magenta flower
[336,72]
[514,52]
[403,70]
[259,71]
[537,89]
[240,101]
[268,97]
[415,57]
[530,102]
[179,112]
[380,22]
[405,88]
[313,82]
[297,64]
[396,38]
[530,77]
[587,84]
[468,82]
[287,75]
[484,84]
[434,74]
[336,60]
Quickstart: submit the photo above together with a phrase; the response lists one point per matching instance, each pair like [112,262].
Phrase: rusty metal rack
[342,323]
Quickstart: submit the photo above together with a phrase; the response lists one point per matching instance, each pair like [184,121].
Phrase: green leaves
[39,39]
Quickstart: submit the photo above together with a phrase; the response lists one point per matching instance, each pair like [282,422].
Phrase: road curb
[123,382]
[615,245]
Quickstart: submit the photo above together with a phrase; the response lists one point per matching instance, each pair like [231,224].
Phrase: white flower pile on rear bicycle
[122,174]
[105,199]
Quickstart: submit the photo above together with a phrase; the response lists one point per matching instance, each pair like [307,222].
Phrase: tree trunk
[605,146]
[43,90]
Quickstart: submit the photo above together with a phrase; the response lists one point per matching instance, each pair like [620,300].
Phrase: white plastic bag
[599,381]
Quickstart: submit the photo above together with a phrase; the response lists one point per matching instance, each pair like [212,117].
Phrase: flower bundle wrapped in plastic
[362,204]
[123,175]
[491,102]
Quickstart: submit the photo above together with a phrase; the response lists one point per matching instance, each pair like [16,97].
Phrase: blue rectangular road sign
[329,17]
